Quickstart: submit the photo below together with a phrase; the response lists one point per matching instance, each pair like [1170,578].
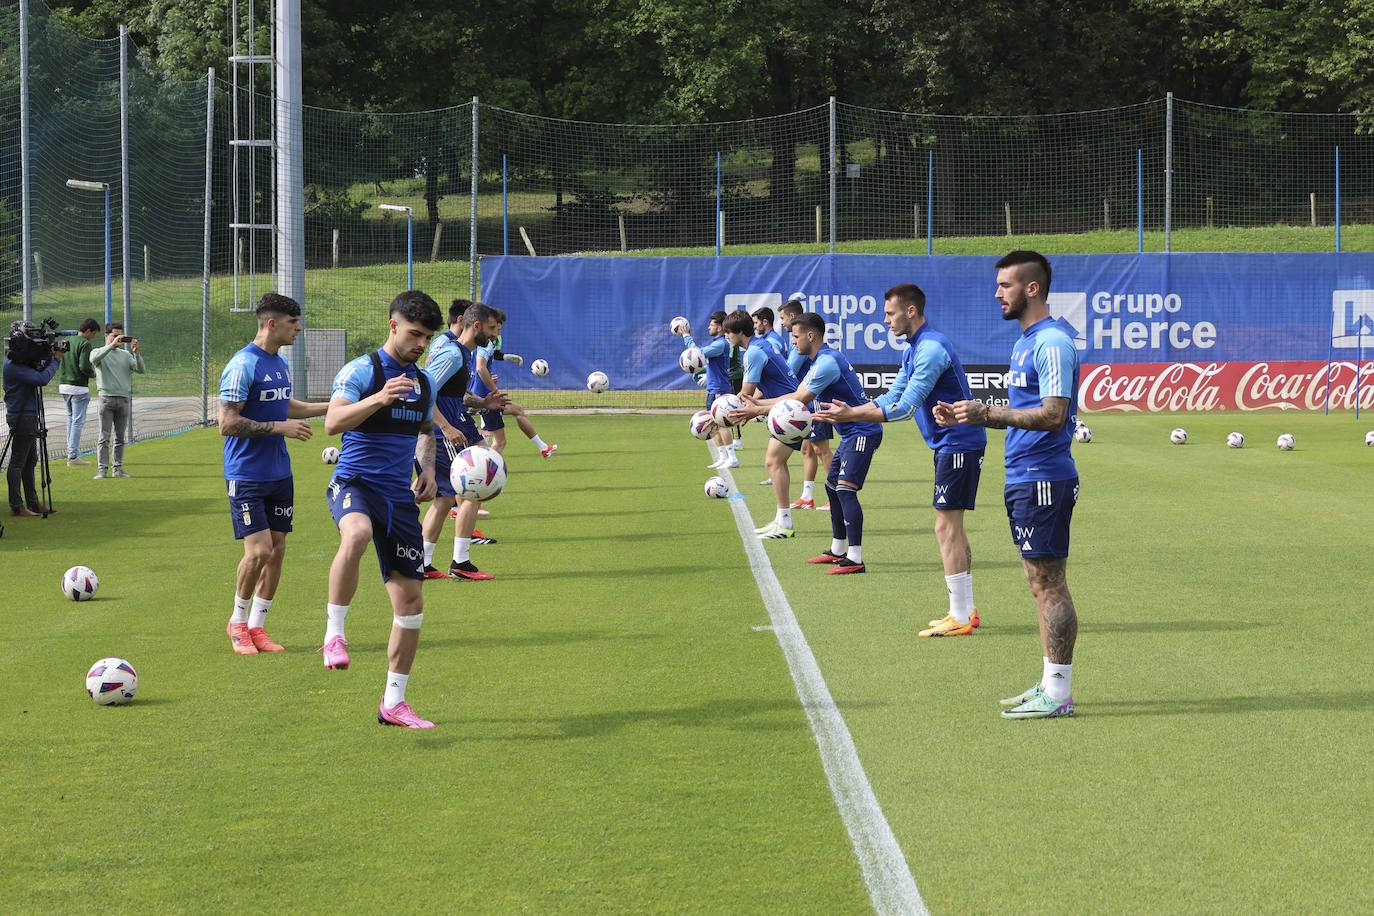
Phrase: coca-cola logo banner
[1279,385]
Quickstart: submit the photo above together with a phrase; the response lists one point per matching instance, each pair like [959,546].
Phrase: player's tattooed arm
[425,447]
[1050,415]
[232,422]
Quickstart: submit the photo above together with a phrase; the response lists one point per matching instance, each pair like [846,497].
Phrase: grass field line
[886,873]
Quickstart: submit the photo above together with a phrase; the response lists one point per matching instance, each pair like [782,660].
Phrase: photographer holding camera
[74,384]
[27,369]
[114,379]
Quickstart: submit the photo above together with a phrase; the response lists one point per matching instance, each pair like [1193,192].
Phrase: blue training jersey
[479,387]
[382,460]
[717,354]
[763,366]
[261,381]
[829,377]
[930,373]
[1044,364]
[447,362]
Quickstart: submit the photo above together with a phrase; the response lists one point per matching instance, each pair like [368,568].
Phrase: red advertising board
[1276,385]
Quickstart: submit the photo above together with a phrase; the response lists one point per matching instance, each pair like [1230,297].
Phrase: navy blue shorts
[1040,513]
[395,525]
[261,505]
[821,432]
[956,479]
[492,419]
[852,459]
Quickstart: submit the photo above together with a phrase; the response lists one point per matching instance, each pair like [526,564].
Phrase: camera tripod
[44,466]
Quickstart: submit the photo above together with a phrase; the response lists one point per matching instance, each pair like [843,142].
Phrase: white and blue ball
[717,488]
[1286,442]
[478,473]
[789,421]
[598,382]
[111,682]
[1235,440]
[723,406]
[692,360]
[539,368]
[330,455]
[79,583]
[1179,436]
[702,426]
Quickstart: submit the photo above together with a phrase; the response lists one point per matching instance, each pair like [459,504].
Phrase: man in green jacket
[114,379]
[74,384]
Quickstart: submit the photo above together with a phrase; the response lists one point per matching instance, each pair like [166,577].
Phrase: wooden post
[1209,211]
[818,224]
[1006,210]
[38,267]
[239,254]
[624,243]
[1312,200]
[915,221]
[146,272]
[1106,215]
[721,229]
[334,251]
[434,249]
[529,246]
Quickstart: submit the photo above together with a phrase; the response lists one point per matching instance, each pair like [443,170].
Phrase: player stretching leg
[931,373]
[493,420]
[382,403]
[717,354]
[256,413]
[450,365]
[1042,481]
[832,378]
[766,376]
[815,448]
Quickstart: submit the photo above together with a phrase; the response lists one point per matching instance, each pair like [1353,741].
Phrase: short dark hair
[89,324]
[791,308]
[273,304]
[1019,257]
[416,306]
[500,314]
[479,312]
[908,294]
[718,315]
[740,323]
[765,313]
[111,325]
[458,309]
[811,322]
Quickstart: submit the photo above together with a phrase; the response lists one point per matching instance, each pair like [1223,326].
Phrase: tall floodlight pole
[25,243]
[410,239]
[290,170]
[124,174]
[101,187]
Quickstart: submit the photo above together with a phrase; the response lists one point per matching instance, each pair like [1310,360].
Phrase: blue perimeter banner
[612,313]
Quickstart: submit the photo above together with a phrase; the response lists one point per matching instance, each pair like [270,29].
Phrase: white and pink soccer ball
[79,583]
[723,406]
[111,682]
[717,488]
[478,473]
[1081,433]
[598,382]
[1369,438]
[692,360]
[679,325]
[789,421]
[330,455]
[539,368]
[1235,440]
[702,426]
[1179,436]
[1286,442]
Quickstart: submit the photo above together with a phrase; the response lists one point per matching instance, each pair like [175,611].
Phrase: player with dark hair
[764,330]
[830,377]
[484,383]
[931,373]
[1042,480]
[382,404]
[717,354]
[815,448]
[256,415]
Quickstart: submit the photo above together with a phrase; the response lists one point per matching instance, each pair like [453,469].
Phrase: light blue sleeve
[929,362]
[353,380]
[754,361]
[824,373]
[444,363]
[795,360]
[1056,357]
[894,393]
[236,379]
[718,347]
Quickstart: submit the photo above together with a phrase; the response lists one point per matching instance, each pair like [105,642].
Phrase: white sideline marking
[884,867]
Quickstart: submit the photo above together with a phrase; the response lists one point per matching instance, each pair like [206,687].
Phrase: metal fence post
[124,179]
[718,223]
[930,202]
[1139,201]
[1169,172]
[833,214]
[205,267]
[472,217]
[26,241]
[1338,199]
[505,210]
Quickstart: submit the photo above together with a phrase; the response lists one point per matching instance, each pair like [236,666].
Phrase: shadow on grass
[1343,701]
[601,572]
[523,641]
[1140,626]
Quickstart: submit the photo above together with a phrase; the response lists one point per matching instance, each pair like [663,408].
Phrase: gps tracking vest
[402,418]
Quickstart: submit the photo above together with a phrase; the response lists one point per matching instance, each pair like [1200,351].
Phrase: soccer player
[764,331]
[931,373]
[471,327]
[1042,481]
[816,446]
[766,376]
[484,383]
[256,415]
[717,354]
[832,378]
[382,403]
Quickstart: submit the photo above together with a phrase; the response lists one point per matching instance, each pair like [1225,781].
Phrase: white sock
[960,595]
[395,689]
[259,615]
[784,518]
[538,443]
[855,553]
[808,489]
[336,614]
[462,549]
[1057,680]
[240,614]
[838,547]
[429,552]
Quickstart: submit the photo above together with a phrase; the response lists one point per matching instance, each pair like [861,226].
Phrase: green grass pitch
[615,736]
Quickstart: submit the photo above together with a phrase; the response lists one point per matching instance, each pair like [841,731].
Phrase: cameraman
[23,398]
[74,384]
[114,379]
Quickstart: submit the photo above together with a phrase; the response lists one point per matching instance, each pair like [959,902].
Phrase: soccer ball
[1369,438]
[79,583]
[723,406]
[692,360]
[679,325]
[789,421]
[598,382]
[539,368]
[701,380]
[330,455]
[1235,440]
[1082,433]
[478,474]
[1286,442]
[702,426]
[717,488]
[1178,436]
[111,682]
